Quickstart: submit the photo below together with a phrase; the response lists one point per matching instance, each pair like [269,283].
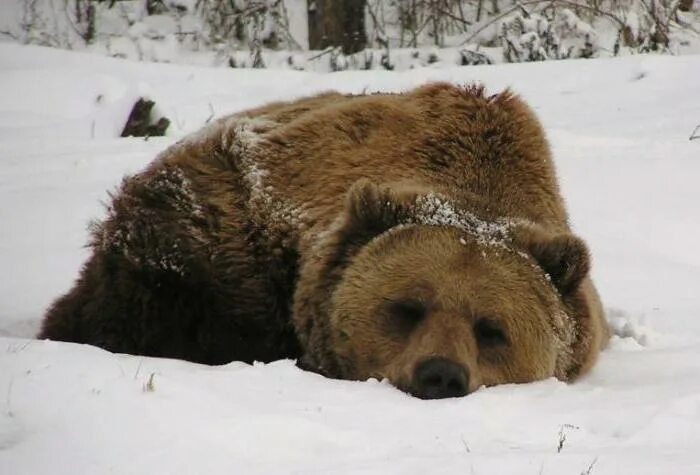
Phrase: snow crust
[620,132]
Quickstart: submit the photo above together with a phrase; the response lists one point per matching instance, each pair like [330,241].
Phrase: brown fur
[363,234]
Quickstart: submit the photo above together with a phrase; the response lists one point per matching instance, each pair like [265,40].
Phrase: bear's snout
[437,378]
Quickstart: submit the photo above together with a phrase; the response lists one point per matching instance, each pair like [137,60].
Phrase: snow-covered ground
[620,133]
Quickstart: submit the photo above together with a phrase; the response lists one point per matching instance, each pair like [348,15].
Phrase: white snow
[436,210]
[620,132]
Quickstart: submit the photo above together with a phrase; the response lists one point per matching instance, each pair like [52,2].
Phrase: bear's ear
[564,257]
[372,209]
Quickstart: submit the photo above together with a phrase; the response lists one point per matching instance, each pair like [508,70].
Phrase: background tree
[337,23]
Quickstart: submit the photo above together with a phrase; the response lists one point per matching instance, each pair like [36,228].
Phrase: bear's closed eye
[489,334]
[405,314]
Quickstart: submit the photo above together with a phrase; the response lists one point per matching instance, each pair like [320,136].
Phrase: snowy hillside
[620,134]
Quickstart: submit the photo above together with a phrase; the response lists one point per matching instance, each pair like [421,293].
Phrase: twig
[562,435]
[454,17]
[597,10]
[562,439]
[461,15]
[493,20]
[478,10]
[416,33]
[375,22]
[695,134]
[322,53]
[9,34]
[211,115]
[590,467]
[72,24]
[283,22]
[466,446]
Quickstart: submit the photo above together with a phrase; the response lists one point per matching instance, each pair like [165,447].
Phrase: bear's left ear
[564,257]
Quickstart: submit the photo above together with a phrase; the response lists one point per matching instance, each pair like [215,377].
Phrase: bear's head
[439,301]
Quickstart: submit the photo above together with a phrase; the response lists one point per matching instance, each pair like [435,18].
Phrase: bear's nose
[438,378]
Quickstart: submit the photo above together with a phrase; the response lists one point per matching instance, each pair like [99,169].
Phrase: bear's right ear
[372,209]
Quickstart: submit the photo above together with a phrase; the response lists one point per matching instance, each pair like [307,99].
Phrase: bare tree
[337,23]
[84,18]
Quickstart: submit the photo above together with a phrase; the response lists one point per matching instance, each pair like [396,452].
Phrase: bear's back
[440,136]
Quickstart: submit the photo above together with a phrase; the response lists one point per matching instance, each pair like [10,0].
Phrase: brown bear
[418,237]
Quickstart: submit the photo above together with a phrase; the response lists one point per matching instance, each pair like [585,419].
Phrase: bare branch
[590,467]
[322,53]
[9,34]
[521,5]
[695,134]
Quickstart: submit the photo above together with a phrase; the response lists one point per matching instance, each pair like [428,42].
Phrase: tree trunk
[337,23]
